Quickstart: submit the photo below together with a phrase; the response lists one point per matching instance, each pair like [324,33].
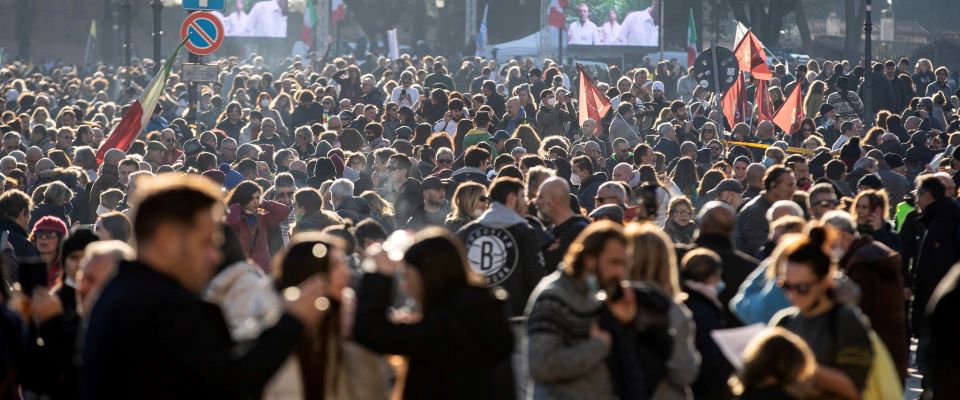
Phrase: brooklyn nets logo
[492,253]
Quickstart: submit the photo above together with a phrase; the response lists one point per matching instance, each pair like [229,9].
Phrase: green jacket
[475,136]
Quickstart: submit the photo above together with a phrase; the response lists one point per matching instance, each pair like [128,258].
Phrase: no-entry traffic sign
[203,31]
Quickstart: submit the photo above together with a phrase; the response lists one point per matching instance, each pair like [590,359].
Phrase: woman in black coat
[461,346]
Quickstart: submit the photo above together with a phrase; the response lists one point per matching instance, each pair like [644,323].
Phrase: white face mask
[264,103]
[552,101]
[575,179]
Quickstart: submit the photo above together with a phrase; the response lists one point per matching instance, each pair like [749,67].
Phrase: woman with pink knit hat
[47,234]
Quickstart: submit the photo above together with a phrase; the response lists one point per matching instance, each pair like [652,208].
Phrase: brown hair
[590,243]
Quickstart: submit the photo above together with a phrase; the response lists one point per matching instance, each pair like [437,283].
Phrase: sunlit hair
[651,257]
[775,354]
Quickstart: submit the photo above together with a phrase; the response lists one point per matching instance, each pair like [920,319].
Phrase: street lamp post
[126,12]
[157,33]
[867,64]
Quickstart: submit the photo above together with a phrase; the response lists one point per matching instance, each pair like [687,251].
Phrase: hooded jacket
[876,268]
[939,250]
[588,190]
[503,247]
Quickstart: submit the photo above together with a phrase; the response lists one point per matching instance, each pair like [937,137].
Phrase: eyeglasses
[798,288]
[444,161]
[826,203]
[683,212]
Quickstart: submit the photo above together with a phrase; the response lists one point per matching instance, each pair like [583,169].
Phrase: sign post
[203,5]
[204,34]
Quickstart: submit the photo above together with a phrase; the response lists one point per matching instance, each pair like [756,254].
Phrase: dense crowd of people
[439,228]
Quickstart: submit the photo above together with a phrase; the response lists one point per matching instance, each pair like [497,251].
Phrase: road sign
[200,73]
[204,5]
[205,32]
[725,65]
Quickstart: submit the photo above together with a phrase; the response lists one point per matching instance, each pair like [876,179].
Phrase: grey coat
[752,226]
[565,361]
[619,128]
[898,186]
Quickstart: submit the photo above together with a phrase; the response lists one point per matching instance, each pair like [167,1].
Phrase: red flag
[762,102]
[734,102]
[140,112]
[593,104]
[791,113]
[557,18]
[752,59]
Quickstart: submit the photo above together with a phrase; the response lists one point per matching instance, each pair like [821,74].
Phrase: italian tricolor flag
[140,112]
[691,40]
[309,23]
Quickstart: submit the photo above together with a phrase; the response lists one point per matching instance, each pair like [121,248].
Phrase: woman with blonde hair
[651,259]
[469,202]
[381,210]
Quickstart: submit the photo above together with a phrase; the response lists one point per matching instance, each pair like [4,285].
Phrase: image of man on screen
[267,18]
[582,31]
[640,28]
[610,30]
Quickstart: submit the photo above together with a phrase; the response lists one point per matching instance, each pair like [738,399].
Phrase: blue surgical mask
[767,162]
[592,285]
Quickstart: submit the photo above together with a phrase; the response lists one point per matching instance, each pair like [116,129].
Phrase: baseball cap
[431,182]
[657,85]
[192,146]
[155,145]
[501,135]
[726,185]
[612,211]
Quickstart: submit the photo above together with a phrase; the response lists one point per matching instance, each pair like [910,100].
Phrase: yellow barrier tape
[800,150]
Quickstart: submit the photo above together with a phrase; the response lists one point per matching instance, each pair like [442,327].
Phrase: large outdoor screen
[255,18]
[613,22]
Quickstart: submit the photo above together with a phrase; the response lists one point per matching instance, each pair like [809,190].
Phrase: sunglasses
[47,234]
[798,288]
[445,160]
[283,194]
[484,199]
[827,203]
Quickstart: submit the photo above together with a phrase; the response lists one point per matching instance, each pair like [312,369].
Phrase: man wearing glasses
[444,159]
[168,138]
[823,199]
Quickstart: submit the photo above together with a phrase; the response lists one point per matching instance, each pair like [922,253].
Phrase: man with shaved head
[553,207]
[716,221]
